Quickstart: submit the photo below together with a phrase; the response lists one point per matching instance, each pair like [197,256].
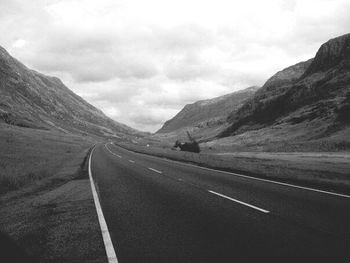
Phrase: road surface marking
[245,176]
[268,181]
[111,256]
[112,152]
[131,161]
[154,170]
[240,202]
[280,183]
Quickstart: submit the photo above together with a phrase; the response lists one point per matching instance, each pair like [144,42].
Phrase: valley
[294,129]
[299,109]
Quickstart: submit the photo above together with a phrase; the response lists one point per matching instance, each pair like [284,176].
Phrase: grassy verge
[46,205]
[28,156]
[324,171]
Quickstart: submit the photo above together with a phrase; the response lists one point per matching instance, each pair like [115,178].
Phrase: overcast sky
[142,61]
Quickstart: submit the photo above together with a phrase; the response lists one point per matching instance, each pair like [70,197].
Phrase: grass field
[329,171]
[46,208]
[28,156]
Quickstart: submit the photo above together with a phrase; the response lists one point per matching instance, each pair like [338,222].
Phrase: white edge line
[240,202]
[154,170]
[111,255]
[249,177]
[280,183]
[131,161]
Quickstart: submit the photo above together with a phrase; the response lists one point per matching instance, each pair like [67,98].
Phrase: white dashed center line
[210,191]
[240,202]
[154,170]
[112,152]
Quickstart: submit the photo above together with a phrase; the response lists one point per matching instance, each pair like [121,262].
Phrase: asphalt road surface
[164,211]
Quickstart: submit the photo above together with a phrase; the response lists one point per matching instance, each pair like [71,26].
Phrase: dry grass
[314,136]
[28,155]
[330,171]
[46,203]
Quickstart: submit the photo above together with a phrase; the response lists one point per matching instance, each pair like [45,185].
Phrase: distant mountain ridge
[316,93]
[31,99]
[274,87]
[208,112]
[304,107]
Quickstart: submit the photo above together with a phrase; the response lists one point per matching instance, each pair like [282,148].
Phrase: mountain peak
[330,54]
[297,96]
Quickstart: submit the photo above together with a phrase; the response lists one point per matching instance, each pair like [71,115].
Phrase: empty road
[158,210]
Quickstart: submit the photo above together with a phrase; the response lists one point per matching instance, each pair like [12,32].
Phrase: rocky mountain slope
[316,90]
[304,103]
[31,99]
[206,115]
[274,87]
[304,107]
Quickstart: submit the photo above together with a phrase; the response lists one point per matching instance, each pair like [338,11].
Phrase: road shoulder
[57,223]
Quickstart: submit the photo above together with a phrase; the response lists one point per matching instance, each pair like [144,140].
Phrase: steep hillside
[31,99]
[274,87]
[310,98]
[206,114]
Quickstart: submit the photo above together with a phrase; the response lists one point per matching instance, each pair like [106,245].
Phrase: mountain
[310,100]
[274,88]
[207,114]
[34,100]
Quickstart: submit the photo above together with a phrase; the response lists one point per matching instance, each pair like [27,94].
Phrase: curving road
[164,211]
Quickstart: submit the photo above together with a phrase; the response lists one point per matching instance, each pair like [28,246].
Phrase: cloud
[87,56]
[190,66]
[142,61]
[182,37]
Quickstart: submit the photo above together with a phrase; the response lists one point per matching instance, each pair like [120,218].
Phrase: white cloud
[19,43]
[142,61]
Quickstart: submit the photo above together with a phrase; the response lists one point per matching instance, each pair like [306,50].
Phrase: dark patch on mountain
[343,112]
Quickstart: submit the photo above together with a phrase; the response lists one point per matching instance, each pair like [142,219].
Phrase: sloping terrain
[47,211]
[304,107]
[316,89]
[205,118]
[31,99]
[306,102]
